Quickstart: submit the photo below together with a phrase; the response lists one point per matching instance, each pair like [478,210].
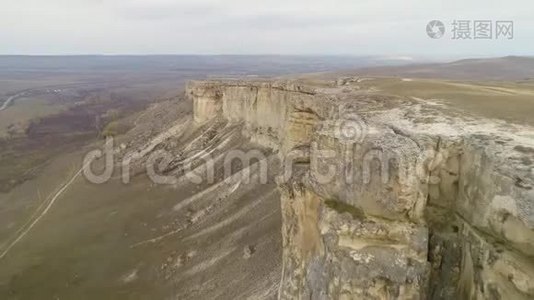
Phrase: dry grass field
[512,101]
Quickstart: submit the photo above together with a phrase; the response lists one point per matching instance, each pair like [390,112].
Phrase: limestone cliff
[386,197]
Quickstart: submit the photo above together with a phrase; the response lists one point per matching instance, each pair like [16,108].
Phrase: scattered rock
[248,251]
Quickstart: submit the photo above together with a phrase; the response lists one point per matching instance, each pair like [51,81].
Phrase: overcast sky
[356,27]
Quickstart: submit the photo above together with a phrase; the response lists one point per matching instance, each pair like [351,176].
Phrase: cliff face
[269,111]
[386,197]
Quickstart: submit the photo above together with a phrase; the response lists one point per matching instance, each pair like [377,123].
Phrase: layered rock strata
[386,197]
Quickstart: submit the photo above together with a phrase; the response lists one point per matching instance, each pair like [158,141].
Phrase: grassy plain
[512,101]
[25,110]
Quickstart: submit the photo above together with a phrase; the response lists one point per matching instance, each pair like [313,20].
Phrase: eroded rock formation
[386,197]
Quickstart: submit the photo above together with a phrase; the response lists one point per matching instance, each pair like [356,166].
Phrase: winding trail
[41,215]
[8,102]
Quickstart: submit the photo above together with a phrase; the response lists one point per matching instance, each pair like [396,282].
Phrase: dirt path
[8,102]
[40,215]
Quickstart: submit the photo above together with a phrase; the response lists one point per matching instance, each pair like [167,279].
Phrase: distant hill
[217,65]
[503,68]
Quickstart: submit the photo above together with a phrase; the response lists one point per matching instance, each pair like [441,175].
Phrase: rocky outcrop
[386,197]
[269,111]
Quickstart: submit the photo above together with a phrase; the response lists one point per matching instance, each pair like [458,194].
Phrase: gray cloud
[168,11]
[362,27]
